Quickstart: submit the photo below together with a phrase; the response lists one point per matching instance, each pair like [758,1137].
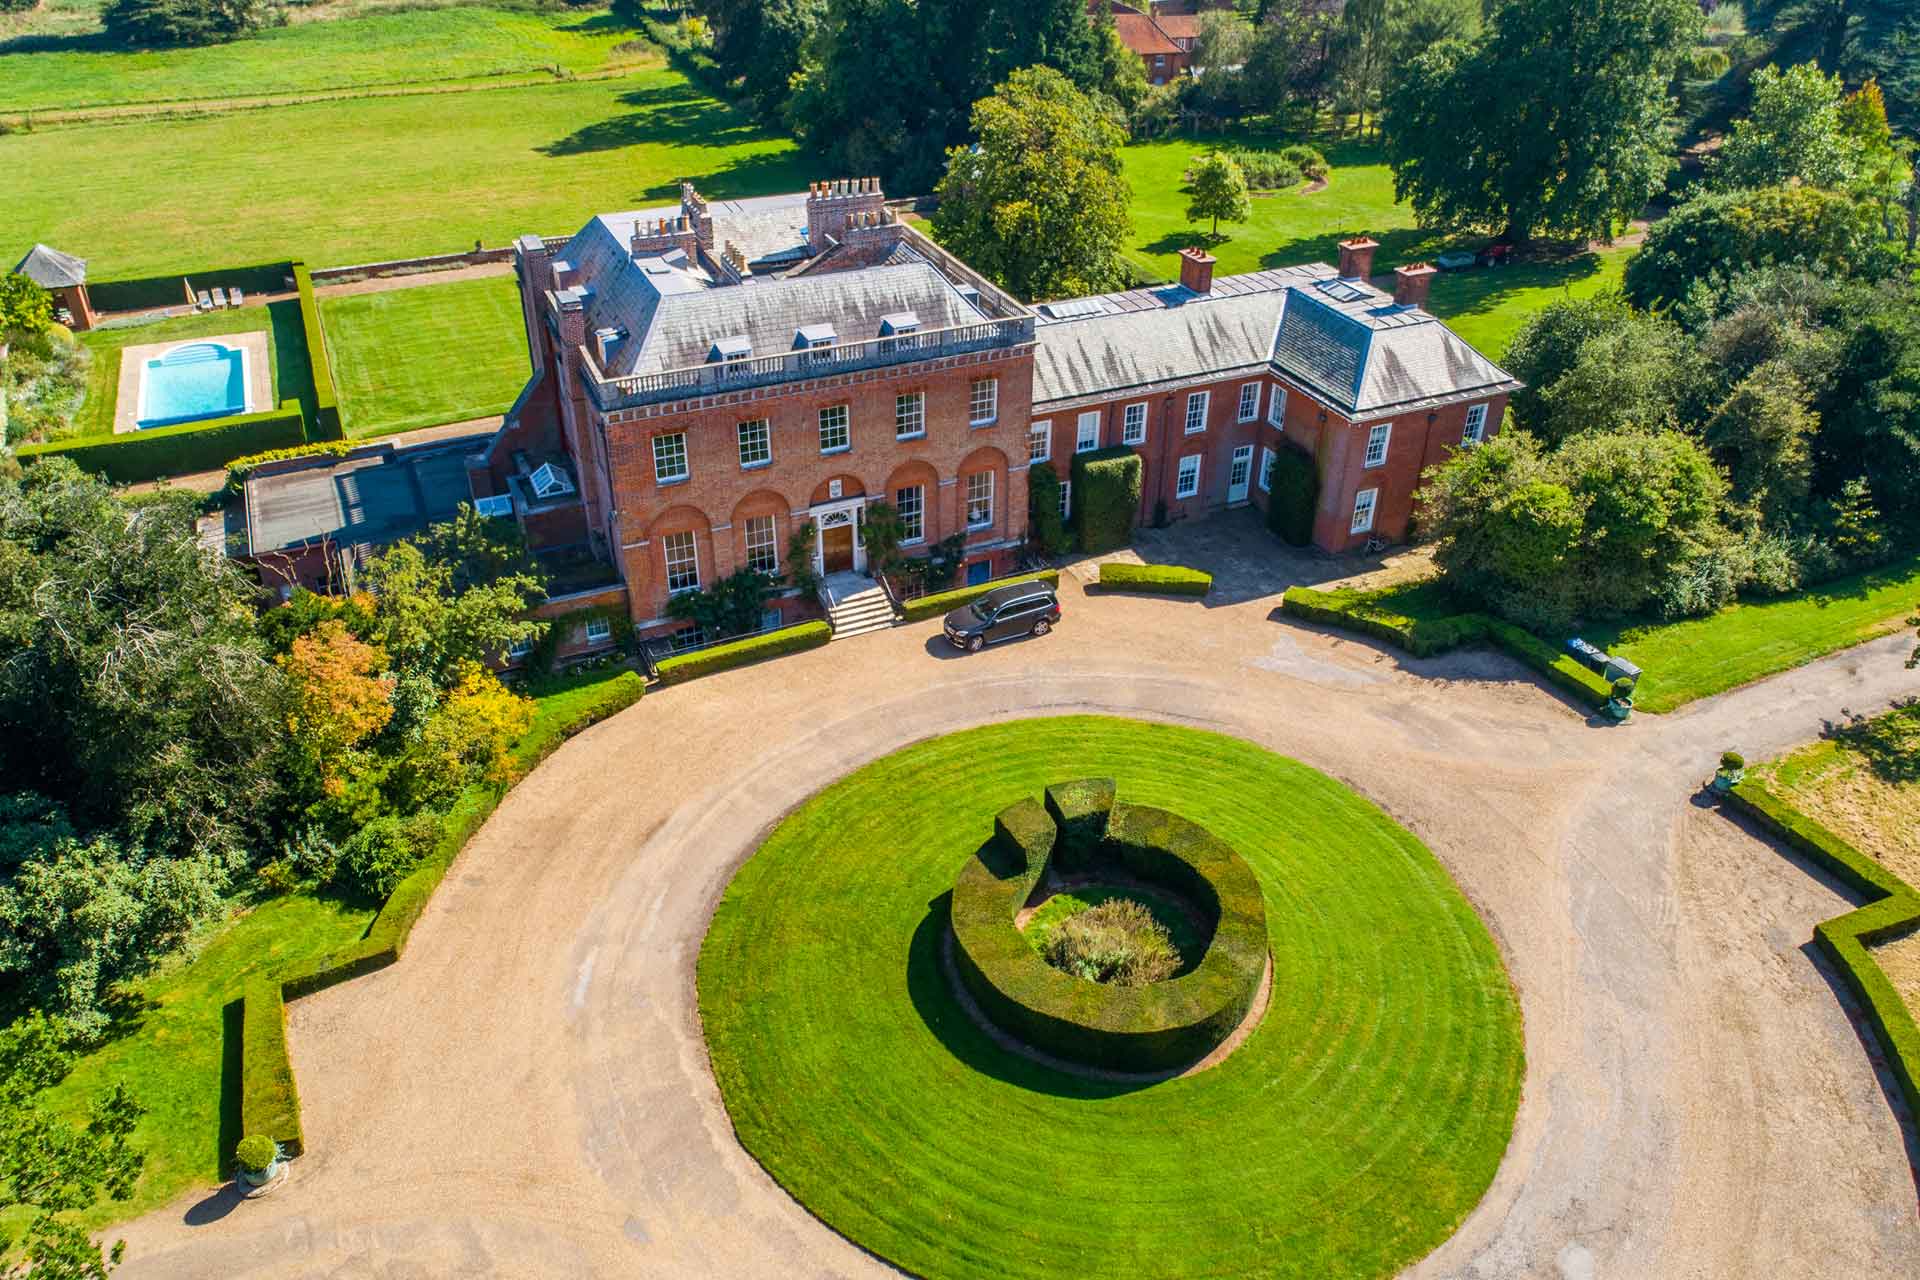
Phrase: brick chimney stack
[832,207]
[1356,258]
[1410,284]
[1196,270]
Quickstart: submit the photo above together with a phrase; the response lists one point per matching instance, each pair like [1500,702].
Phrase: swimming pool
[191,382]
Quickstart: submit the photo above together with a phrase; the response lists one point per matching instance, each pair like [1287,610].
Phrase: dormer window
[814,337]
[604,342]
[898,323]
[728,350]
[549,482]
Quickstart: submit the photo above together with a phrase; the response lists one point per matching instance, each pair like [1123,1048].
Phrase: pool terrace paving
[126,404]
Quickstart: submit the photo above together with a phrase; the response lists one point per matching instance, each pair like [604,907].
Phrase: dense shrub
[945,602]
[1155,1027]
[1043,508]
[1293,492]
[1118,942]
[269,1099]
[1724,233]
[740,653]
[43,380]
[1267,170]
[377,857]
[143,24]
[256,1153]
[1166,579]
[133,457]
[1106,495]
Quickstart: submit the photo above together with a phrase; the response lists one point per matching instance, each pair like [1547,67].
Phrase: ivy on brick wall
[1043,508]
[1106,493]
[1293,491]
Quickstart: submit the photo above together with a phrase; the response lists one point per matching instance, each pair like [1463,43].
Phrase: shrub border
[1163,1026]
[944,602]
[129,457]
[683,667]
[1892,907]
[1155,579]
[1425,637]
[269,1096]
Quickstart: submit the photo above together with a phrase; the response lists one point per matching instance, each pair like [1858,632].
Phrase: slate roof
[1342,340]
[52,269]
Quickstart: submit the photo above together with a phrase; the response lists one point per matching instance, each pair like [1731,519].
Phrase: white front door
[1239,473]
[840,543]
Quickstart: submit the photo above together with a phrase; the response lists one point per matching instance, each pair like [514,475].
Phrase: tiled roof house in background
[65,277]
[1163,33]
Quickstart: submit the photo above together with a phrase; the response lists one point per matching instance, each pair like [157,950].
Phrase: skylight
[550,482]
[1342,291]
[1074,308]
[496,506]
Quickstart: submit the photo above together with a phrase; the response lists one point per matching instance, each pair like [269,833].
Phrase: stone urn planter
[259,1168]
[1732,771]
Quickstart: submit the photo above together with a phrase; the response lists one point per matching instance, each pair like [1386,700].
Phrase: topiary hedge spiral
[1157,1027]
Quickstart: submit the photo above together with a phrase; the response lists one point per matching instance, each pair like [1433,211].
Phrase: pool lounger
[235,297]
[205,301]
[219,299]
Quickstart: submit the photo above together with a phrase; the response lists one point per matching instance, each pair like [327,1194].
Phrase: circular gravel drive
[527,1094]
[1349,1134]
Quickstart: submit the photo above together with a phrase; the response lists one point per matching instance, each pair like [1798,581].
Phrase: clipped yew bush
[1106,495]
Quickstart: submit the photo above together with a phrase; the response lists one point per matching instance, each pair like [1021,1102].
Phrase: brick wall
[1418,440]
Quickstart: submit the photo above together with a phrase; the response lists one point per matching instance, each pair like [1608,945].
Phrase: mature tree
[145,24]
[1550,340]
[1040,204]
[25,308]
[1556,120]
[1856,39]
[479,549]
[132,680]
[1218,190]
[429,625]
[1792,131]
[1721,234]
[1292,59]
[1602,367]
[1870,412]
[759,43]
[341,696]
[468,739]
[52,1166]
[1763,432]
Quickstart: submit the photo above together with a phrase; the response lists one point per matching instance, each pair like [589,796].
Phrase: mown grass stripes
[1347,1136]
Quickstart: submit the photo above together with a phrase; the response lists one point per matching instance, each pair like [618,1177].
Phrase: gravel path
[527,1093]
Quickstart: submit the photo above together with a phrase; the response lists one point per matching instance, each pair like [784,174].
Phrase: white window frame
[845,427]
[1133,423]
[520,648]
[910,407]
[1379,440]
[1040,433]
[916,532]
[986,519]
[1264,477]
[1066,500]
[599,631]
[1250,401]
[771,547]
[1186,481]
[666,559]
[1277,406]
[983,402]
[1083,442]
[766,443]
[686,640]
[1475,429]
[1366,505]
[662,455]
[1198,404]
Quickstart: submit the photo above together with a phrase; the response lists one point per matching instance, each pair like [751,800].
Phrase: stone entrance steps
[855,605]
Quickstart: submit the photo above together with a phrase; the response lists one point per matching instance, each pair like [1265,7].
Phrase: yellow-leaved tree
[342,696]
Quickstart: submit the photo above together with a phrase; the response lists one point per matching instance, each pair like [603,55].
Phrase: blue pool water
[199,380]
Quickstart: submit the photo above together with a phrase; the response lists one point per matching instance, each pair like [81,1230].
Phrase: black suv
[1023,609]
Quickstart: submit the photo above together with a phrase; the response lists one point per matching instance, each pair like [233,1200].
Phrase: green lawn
[1487,307]
[1704,656]
[292,379]
[178,1047]
[363,180]
[1352,1131]
[354,54]
[420,357]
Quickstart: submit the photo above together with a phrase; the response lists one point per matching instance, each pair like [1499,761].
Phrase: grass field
[176,1048]
[419,357]
[1704,656]
[292,379]
[1349,1134]
[361,180]
[352,54]
[1487,307]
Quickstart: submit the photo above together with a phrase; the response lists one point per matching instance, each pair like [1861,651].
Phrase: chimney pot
[1196,270]
[1356,257]
[1411,283]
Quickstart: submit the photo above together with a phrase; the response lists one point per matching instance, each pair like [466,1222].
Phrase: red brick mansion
[709,377]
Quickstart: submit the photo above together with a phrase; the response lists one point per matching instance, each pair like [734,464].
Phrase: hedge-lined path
[527,1094]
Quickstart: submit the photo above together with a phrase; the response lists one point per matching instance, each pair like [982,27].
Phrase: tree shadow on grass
[930,986]
[673,114]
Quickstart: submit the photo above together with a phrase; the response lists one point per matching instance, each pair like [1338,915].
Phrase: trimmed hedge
[942,603]
[740,653]
[130,457]
[1426,637]
[270,1100]
[1106,494]
[1166,579]
[1157,1027]
[1892,909]
[326,400]
[1292,494]
[1043,508]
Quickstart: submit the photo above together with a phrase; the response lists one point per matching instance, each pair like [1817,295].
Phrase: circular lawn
[1349,1134]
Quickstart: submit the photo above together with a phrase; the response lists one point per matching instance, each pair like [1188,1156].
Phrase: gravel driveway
[527,1094]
